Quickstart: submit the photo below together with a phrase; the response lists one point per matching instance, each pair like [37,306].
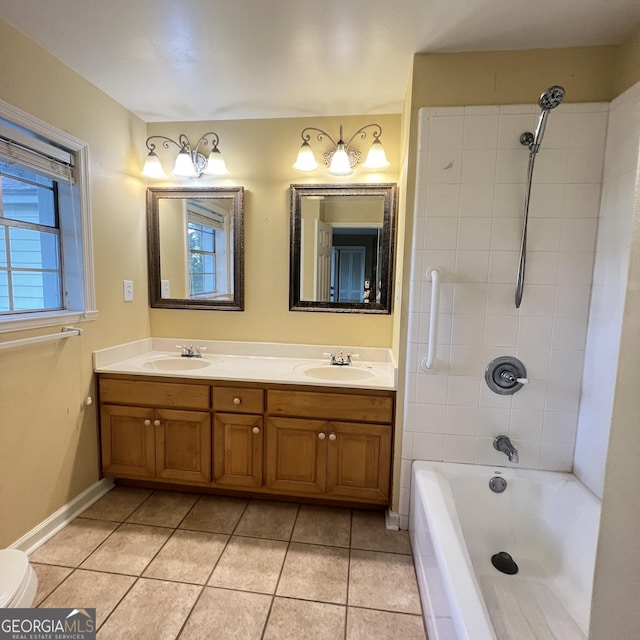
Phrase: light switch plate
[127,290]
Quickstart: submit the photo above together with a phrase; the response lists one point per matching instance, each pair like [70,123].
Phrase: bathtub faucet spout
[503,443]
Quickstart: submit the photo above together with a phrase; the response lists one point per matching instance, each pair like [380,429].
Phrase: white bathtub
[547,521]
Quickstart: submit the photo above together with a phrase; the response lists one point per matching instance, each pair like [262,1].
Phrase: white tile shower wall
[470,186]
[609,287]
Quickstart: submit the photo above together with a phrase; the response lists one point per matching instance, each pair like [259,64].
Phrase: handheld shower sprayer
[550,99]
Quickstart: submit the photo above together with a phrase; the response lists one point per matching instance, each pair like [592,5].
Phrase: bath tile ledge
[375,368]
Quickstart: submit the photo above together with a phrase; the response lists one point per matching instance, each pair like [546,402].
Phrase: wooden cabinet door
[127,441]
[237,450]
[296,456]
[358,461]
[183,445]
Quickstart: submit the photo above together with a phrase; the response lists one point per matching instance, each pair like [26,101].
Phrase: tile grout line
[275,590]
[346,611]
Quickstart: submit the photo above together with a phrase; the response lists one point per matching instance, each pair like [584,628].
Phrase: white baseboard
[392,520]
[31,540]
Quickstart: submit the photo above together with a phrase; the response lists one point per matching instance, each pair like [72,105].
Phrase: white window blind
[36,154]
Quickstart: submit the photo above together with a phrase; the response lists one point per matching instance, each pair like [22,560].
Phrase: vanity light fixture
[190,162]
[342,156]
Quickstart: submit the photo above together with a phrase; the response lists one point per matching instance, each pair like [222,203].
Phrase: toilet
[18,580]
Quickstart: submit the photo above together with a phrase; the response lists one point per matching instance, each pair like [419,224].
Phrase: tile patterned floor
[165,565]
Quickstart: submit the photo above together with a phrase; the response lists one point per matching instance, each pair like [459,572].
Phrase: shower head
[551,98]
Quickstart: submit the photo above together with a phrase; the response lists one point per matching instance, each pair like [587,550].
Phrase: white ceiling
[227,59]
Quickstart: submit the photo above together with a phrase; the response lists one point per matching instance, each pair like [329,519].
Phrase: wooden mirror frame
[389,193]
[154,195]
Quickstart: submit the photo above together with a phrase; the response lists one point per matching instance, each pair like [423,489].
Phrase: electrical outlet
[127,290]
[165,289]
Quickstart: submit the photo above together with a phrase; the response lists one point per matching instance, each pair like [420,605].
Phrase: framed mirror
[341,255]
[196,248]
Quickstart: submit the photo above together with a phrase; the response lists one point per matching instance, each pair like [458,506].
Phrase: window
[202,259]
[46,273]
[30,268]
[208,238]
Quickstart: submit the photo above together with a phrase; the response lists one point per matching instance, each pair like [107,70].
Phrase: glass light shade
[184,166]
[340,165]
[216,165]
[376,158]
[306,161]
[153,167]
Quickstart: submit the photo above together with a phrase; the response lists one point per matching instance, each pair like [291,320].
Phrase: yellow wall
[48,441]
[627,63]
[259,155]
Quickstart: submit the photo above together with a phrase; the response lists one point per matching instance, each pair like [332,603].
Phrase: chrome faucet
[503,443]
[191,351]
[342,360]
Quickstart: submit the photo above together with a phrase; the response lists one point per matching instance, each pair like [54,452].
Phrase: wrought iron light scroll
[343,156]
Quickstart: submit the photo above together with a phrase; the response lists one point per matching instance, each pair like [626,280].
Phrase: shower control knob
[505,375]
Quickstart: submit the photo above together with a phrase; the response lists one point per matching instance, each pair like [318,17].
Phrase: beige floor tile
[71,545]
[163,509]
[235,615]
[129,550]
[90,589]
[215,514]
[268,520]
[250,564]
[368,532]
[313,572]
[304,620]
[152,610]
[383,581]
[49,577]
[117,505]
[323,525]
[368,624]
[188,556]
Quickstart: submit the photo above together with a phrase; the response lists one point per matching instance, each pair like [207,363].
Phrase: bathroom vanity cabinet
[311,449]
[288,440]
[155,430]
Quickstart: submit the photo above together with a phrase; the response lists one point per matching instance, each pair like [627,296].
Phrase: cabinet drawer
[330,406]
[164,394]
[238,400]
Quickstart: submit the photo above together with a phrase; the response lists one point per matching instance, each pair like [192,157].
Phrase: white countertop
[375,368]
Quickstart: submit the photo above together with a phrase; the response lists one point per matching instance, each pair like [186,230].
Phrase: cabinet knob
[147,423]
[237,401]
[321,436]
[156,423]
[332,436]
[256,430]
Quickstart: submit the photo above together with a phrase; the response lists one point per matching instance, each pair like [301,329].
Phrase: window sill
[20,322]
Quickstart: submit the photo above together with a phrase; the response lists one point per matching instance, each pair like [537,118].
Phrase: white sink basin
[176,363]
[331,372]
